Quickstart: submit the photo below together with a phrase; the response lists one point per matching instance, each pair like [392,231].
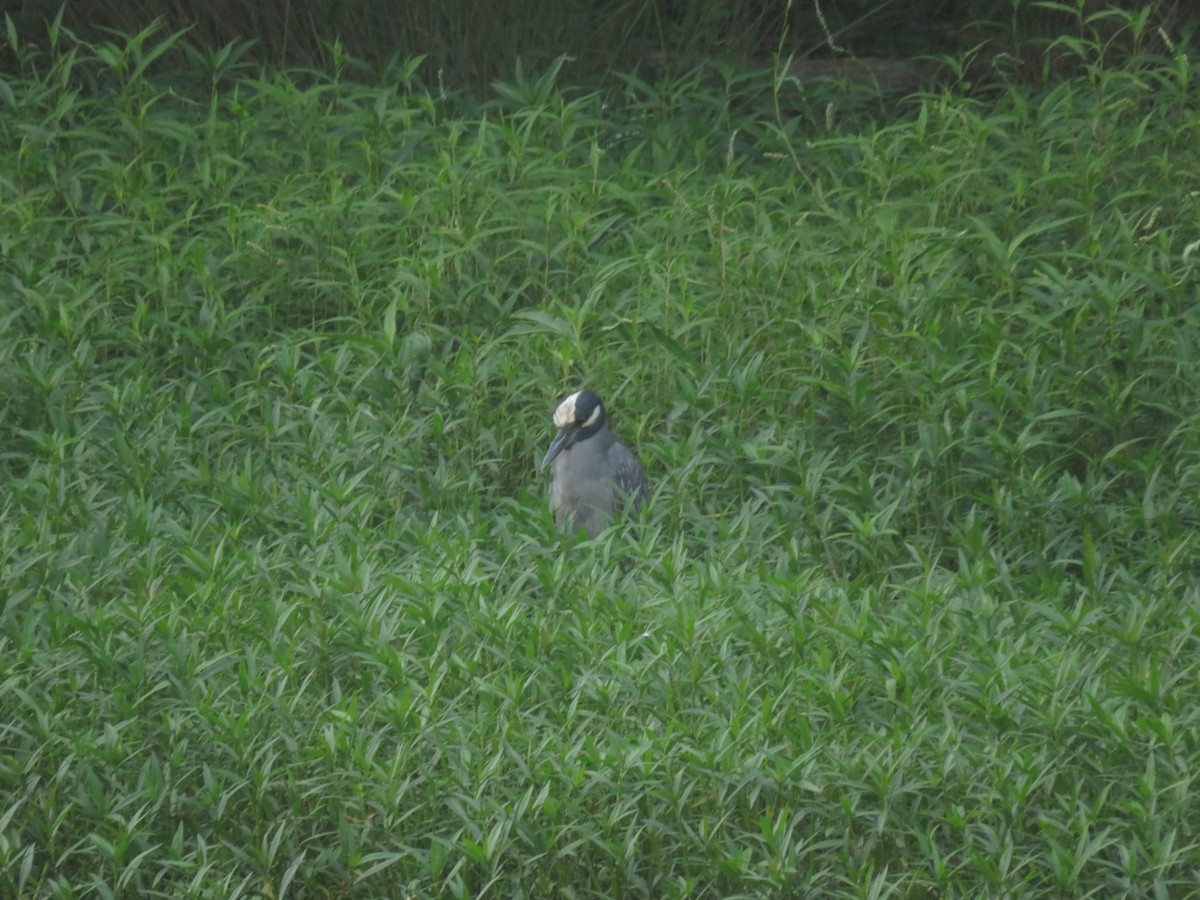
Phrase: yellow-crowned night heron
[594,476]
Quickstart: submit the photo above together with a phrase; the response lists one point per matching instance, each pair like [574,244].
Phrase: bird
[594,476]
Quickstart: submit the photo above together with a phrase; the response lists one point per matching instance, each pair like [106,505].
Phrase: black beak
[564,439]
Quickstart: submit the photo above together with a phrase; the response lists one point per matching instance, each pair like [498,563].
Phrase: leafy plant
[282,609]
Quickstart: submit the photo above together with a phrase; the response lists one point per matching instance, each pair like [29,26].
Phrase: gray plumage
[593,476]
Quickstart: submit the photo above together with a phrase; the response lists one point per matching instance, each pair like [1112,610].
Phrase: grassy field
[282,610]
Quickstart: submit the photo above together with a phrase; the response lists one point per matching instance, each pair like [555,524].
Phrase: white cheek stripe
[593,417]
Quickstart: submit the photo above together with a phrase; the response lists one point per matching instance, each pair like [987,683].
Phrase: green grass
[915,610]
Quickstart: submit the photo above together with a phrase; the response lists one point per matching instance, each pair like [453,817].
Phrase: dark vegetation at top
[467,45]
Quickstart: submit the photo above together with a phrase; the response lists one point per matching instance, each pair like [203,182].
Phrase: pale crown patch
[564,416]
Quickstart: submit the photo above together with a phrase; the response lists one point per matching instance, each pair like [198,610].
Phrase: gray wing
[634,490]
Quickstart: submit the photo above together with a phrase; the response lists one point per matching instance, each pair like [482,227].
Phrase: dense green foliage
[281,610]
